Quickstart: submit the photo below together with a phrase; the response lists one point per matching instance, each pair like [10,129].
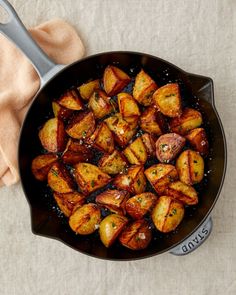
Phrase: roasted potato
[114,80]
[52,135]
[152,121]
[114,200]
[101,104]
[87,89]
[167,214]
[189,120]
[69,202]
[133,180]
[128,106]
[81,126]
[113,163]
[110,227]
[90,178]
[76,152]
[71,100]
[198,140]
[161,176]
[122,130]
[149,143]
[136,152]
[42,164]
[102,139]
[168,101]
[137,235]
[190,167]
[182,192]
[86,219]
[60,112]
[59,179]
[144,87]
[168,146]
[140,205]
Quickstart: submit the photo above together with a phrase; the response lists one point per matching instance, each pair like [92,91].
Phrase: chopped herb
[137,238]
[154,172]
[92,183]
[84,133]
[164,147]
[138,182]
[96,95]
[141,151]
[169,95]
[194,161]
[139,199]
[54,172]
[174,211]
[113,224]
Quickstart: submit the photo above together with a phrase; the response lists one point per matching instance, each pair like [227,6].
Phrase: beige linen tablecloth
[198,36]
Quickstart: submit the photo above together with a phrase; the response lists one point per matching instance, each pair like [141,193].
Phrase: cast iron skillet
[197,91]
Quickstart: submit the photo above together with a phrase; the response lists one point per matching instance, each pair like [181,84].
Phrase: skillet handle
[15,31]
[195,240]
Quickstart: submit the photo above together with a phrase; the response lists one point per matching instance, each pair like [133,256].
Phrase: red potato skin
[198,140]
[42,164]
[76,152]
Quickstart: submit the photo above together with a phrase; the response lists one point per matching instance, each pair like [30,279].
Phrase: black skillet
[197,91]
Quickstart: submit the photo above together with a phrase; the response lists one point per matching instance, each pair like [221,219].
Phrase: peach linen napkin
[19,82]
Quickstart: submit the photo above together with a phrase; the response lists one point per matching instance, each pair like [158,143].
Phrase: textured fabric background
[198,36]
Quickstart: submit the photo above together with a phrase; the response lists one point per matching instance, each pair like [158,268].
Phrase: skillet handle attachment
[195,240]
[15,31]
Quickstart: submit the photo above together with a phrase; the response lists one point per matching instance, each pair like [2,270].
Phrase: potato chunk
[81,126]
[136,152]
[149,143]
[86,219]
[133,180]
[128,106]
[190,167]
[71,100]
[137,235]
[69,202]
[87,89]
[152,121]
[161,176]
[42,164]
[189,120]
[198,140]
[182,192]
[144,87]
[113,163]
[110,227]
[167,214]
[90,178]
[168,146]
[60,112]
[140,205]
[52,135]
[114,80]
[167,99]
[59,179]
[114,200]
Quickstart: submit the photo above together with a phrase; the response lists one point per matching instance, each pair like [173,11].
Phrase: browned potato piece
[168,146]
[144,88]
[87,89]
[190,167]
[59,179]
[133,180]
[140,205]
[41,165]
[71,100]
[101,104]
[102,139]
[114,200]
[136,152]
[81,126]
[76,152]
[167,214]
[60,112]
[198,140]
[182,192]
[160,176]
[123,131]
[90,178]
[114,80]
[152,121]
[52,135]
[86,219]
[113,164]
[137,235]
[167,99]
[128,106]
[110,227]
[189,120]
[68,202]
[149,143]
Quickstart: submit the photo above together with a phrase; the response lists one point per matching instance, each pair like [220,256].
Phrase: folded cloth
[19,82]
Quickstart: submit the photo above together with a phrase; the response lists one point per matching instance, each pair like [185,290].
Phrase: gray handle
[195,240]
[15,30]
